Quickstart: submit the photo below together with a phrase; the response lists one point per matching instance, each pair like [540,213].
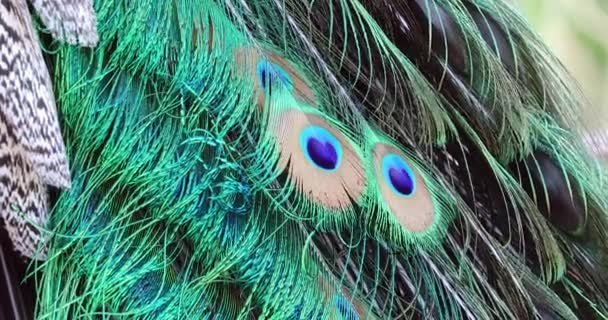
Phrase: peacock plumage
[290,159]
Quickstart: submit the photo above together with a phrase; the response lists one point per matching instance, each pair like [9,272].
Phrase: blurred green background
[577,31]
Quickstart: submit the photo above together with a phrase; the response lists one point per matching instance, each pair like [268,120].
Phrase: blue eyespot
[321,148]
[346,308]
[269,72]
[399,175]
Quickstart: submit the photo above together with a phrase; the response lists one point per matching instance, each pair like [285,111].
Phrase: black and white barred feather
[73,21]
[32,152]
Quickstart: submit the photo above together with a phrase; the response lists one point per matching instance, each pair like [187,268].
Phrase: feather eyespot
[322,162]
[345,308]
[342,304]
[265,66]
[321,148]
[402,189]
[269,73]
[398,175]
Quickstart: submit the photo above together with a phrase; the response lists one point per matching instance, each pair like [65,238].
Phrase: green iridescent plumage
[241,160]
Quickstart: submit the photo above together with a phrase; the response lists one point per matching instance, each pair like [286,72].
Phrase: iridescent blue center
[346,308]
[399,175]
[270,73]
[321,148]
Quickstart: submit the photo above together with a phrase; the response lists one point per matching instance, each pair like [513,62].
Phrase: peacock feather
[32,153]
[340,159]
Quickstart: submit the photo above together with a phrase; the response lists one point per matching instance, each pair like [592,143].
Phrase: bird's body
[321,159]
